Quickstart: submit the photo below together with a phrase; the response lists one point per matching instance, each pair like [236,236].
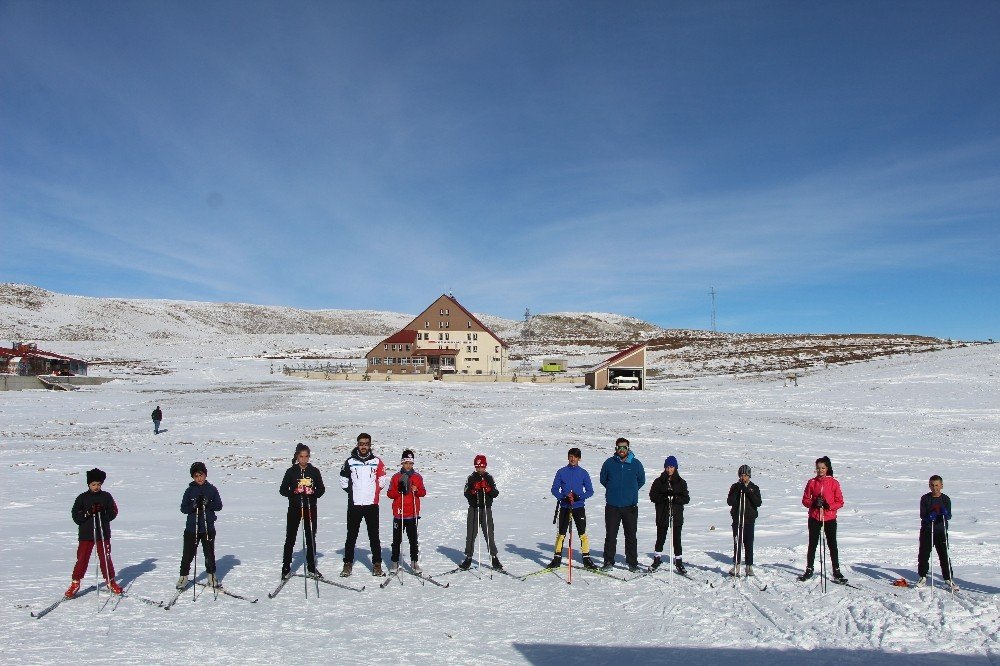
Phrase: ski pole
[947,553]
[569,579]
[932,550]
[103,548]
[555,515]
[486,533]
[311,539]
[670,532]
[739,533]
[822,548]
[302,520]
[194,580]
[97,577]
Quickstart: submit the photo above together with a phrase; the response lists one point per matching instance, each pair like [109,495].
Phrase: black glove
[96,509]
[200,501]
[404,487]
[820,503]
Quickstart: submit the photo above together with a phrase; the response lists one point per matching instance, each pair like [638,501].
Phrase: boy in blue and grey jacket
[200,502]
[572,487]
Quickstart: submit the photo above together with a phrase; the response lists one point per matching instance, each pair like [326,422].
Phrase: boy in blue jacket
[200,502]
[935,512]
[622,475]
[572,487]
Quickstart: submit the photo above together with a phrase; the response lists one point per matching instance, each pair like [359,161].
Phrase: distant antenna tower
[526,329]
[713,309]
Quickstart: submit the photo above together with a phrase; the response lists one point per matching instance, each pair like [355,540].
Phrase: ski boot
[73,588]
[950,585]
[213,582]
[633,568]
[588,563]
[608,566]
[679,566]
[394,568]
[286,571]
[415,567]
[316,573]
[657,561]
[921,582]
[377,570]
[181,582]
[496,564]
[806,575]
[735,571]
[114,587]
[466,563]
[749,571]
[347,569]
[555,563]
[839,577]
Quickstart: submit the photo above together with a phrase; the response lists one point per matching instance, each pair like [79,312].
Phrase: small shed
[555,365]
[630,362]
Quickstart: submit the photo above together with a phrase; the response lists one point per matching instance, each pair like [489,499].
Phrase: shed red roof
[619,356]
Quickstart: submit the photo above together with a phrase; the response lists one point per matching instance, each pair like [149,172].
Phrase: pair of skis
[394,574]
[343,586]
[218,588]
[124,595]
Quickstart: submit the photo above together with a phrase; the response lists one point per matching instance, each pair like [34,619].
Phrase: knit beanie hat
[199,467]
[671,461]
[480,461]
[407,456]
[744,469]
[96,475]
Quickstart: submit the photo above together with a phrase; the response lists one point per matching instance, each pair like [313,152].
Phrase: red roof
[25,350]
[619,356]
[404,336]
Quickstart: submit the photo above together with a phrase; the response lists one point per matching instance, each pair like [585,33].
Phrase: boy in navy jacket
[200,502]
[935,512]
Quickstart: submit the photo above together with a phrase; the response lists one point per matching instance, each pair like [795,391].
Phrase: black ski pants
[479,517]
[747,541]
[663,525]
[293,520]
[355,514]
[830,529]
[191,550]
[626,517]
[940,544]
[579,518]
[410,525]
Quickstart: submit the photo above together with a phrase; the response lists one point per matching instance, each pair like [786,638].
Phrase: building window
[440,336]
[496,349]
[475,348]
[468,336]
[469,324]
[427,324]
[475,336]
[387,348]
[407,347]
[446,336]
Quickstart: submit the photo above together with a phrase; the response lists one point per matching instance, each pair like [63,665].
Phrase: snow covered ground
[888,425]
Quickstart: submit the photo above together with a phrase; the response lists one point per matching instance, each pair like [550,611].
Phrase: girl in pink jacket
[822,496]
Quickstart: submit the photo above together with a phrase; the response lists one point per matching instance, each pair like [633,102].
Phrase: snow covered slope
[887,424]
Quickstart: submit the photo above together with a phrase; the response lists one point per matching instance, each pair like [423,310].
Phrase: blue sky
[826,167]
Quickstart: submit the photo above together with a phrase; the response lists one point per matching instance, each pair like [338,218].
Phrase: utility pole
[526,329]
[713,309]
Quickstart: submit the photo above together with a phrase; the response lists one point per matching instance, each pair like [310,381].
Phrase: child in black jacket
[744,497]
[669,494]
[93,511]
[480,491]
[200,502]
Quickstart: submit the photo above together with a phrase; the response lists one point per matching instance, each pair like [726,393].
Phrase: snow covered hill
[888,424]
[344,336]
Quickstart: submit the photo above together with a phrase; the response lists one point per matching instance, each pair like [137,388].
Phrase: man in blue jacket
[572,487]
[622,475]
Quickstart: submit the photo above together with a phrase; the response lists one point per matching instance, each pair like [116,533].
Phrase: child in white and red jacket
[823,497]
[405,490]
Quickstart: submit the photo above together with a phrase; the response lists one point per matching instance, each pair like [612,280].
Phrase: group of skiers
[363,477]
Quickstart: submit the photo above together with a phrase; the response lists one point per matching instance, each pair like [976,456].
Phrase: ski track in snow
[886,424]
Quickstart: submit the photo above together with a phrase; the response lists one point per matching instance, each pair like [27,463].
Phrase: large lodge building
[444,338]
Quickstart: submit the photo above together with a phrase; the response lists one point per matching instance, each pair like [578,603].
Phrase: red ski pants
[103,556]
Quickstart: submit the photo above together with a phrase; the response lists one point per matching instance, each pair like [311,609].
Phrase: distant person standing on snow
[572,487]
[622,475]
[669,494]
[935,512]
[744,497]
[822,496]
[362,477]
[302,485]
[157,417]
